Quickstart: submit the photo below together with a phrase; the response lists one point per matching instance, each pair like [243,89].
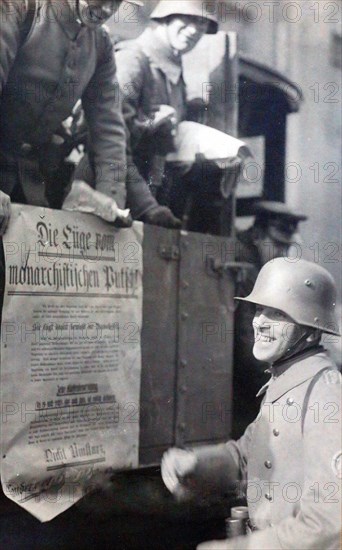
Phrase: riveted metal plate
[205,341]
[159,341]
[187,342]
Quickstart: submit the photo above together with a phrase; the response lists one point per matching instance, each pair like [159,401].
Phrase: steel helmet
[86,12]
[197,8]
[303,290]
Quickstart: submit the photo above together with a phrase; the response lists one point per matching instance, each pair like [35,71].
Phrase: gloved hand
[162,216]
[164,115]
[176,468]
[127,221]
[5,212]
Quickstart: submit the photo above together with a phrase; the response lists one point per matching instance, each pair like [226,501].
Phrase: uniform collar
[67,18]
[294,372]
[161,55]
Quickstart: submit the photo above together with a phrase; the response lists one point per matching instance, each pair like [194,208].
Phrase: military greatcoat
[150,75]
[59,63]
[290,457]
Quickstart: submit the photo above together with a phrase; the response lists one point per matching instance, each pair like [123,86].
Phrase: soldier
[51,55]
[274,231]
[289,458]
[151,78]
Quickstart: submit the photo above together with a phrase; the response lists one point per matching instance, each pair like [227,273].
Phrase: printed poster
[71,355]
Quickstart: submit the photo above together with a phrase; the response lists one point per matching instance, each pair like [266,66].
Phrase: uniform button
[276,432]
[268,497]
[268,464]
[290,400]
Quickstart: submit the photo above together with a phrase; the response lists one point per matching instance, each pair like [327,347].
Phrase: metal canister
[236,525]
[239,512]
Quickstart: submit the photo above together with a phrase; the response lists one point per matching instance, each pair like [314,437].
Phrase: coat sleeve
[102,106]
[318,522]
[222,468]
[12,14]
[132,73]
[131,69]
[139,197]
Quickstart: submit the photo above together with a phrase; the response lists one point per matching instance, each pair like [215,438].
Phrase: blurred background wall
[302,40]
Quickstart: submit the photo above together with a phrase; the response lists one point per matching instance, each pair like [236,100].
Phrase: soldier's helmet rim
[194,8]
[303,290]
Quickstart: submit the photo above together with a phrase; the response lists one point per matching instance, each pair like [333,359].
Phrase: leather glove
[164,115]
[162,216]
[127,221]
[5,211]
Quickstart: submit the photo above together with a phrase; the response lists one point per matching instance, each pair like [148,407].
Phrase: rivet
[184,316]
[316,319]
[183,363]
[290,400]
[181,426]
[268,464]
[276,432]
[307,282]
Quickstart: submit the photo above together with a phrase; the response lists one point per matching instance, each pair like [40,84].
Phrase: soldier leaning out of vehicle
[289,458]
[150,75]
[50,57]
[273,233]
[141,202]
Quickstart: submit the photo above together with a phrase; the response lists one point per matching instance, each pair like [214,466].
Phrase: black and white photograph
[170,274]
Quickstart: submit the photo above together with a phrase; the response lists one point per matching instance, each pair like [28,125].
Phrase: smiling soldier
[288,457]
[150,74]
[273,233]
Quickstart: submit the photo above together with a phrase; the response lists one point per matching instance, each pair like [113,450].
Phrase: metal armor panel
[187,341]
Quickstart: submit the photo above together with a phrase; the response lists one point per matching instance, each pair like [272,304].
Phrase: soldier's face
[274,333]
[184,31]
[94,13]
